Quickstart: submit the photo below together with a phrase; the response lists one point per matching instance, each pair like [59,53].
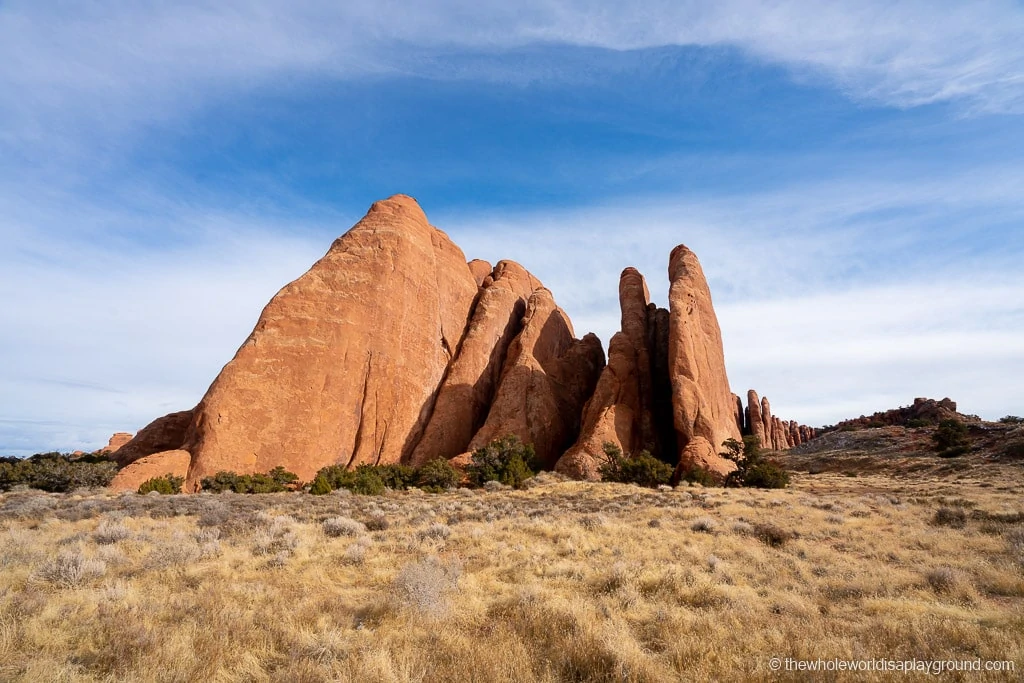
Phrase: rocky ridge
[393,348]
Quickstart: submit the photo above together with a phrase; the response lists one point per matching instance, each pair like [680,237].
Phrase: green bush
[396,477]
[167,485]
[320,486]
[1011,420]
[643,468]
[275,481]
[951,439]
[752,468]
[506,460]
[917,423]
[437,476]
[56,472]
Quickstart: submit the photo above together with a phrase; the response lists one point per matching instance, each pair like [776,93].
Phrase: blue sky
[849,173]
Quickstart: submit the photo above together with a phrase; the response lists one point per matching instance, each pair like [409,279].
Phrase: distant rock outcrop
[922,411]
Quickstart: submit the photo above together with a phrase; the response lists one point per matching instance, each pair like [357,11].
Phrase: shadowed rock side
[620,411]
[156,465]
[480,269]
[702,402]
[165,433]
[548,376]
[465,397]
[345,362]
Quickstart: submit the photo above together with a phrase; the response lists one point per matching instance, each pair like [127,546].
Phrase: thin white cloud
[73,72]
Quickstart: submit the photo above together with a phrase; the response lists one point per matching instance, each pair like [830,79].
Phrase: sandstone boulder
[345,362]
[155,465]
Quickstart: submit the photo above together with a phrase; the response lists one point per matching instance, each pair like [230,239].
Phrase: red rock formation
[548,376]
[610,414]
[155,465]
[701,399]
[345,362]
[755,419]
[165,433]
[465,397]
[700,454]
[117,440]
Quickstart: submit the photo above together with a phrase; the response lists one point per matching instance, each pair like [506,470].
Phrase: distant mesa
[393,348]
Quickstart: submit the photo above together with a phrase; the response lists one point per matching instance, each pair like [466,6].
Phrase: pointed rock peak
[683,263]
[522,280]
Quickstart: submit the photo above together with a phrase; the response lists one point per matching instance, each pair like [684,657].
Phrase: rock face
[165,433]
[923,410]
[468,390]
[345,362]
[156,465]
[547,378]
[702,402]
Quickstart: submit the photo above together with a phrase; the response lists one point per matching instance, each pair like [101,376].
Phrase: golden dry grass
[564,581]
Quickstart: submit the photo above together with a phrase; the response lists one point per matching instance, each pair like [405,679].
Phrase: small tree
[506,460]
[951,439]
[752,468]
[643,468]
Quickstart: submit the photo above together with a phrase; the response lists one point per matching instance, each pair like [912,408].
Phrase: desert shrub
[917,423]
[941,579]
[752,468]
[426,586]
[283,477]
[953,517]
[320,486]
[642,469]
[109,532]
[951,439]
[506,460]
[166,485]
[56,472]
[377,522]
[396,477]
[343,526]
[704,525]
[436,531]
[370,480]
[1011,420]
[698,475]
[437,476]
[71,569]
[772,535]
[275,481]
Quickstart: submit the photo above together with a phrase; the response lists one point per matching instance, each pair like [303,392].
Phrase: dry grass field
[563,581]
